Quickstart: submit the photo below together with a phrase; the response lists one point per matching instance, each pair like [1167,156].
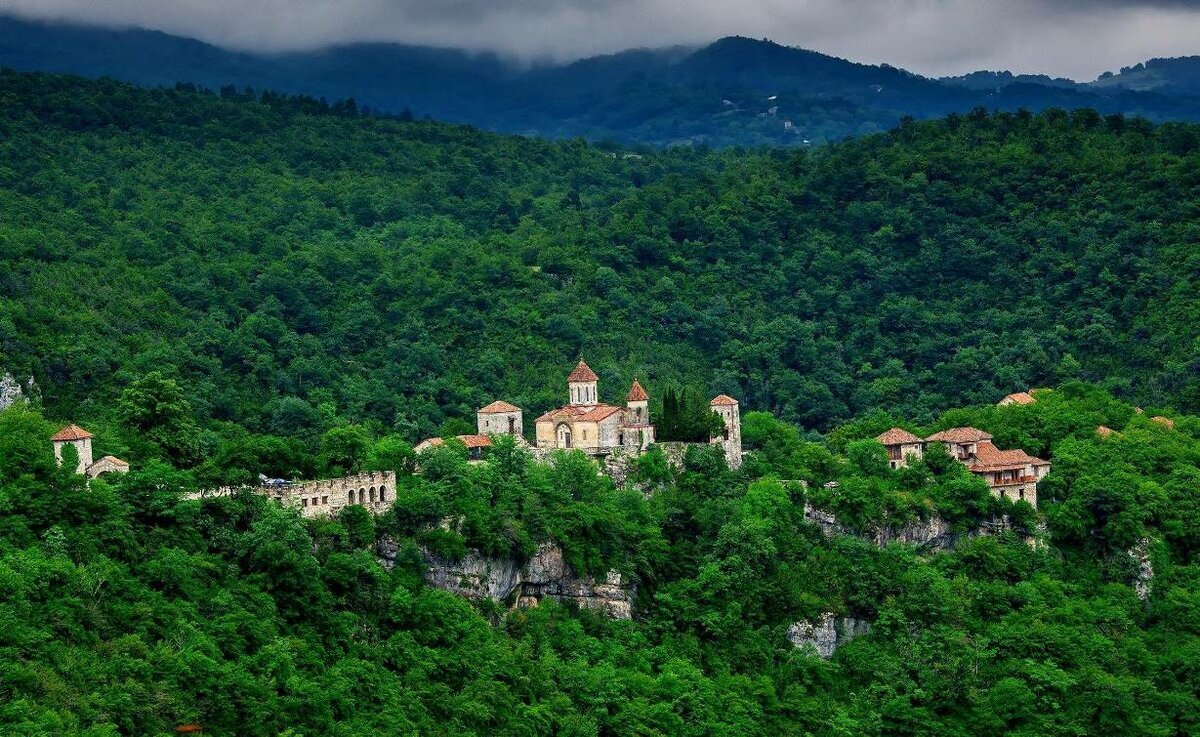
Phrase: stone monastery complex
[80,439]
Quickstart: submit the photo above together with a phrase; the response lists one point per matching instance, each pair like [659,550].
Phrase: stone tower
[78,437]
[500,418]
[638,403]
[731,436]
[581,385]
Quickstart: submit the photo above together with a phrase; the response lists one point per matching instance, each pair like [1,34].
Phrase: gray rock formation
[10,391]
[1144,577]
[933,534]
[827,634]
[544,576]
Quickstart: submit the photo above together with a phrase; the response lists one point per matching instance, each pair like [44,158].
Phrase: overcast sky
[1072,38]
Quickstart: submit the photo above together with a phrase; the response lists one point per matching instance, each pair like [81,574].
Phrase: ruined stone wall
[375,490]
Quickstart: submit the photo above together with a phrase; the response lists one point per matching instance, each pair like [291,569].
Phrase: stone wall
[545,576]
[375,490]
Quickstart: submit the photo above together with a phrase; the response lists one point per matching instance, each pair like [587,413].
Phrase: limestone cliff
[546,575]
[827,634]
[933,534]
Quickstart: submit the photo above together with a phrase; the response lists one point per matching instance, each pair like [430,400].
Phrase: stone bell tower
[78,437]
[731,435]
[581,385]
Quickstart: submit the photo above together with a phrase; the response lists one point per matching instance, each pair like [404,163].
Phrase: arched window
[372,495]
[382,492]
[350,497]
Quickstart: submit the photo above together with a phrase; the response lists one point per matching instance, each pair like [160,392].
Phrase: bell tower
[581,385]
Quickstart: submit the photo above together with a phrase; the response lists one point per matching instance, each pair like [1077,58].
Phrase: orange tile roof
[1104,431]
[583,373]
[475,441]
[498,407]
[898,436]
[1021,398]
[114,460]
[637,393]
[71,432]
[579,413]
[722,400]
[990,458]
[1166,422]
[960,435]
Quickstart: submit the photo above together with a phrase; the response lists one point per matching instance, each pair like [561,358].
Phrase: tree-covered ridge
[130,610]
[299,267]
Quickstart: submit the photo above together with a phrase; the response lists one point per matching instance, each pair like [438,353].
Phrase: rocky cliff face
[933,534]
[827,634]
[1144,577]
[545,576]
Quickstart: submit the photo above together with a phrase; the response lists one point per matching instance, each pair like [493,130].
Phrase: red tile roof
[1105,431]
[1020,398]
[578,413]
[113,460]
[637,393]
[71,432]
[898,436]
[1166,422]
[499,406]
[990,458]
[583,373]
[475,441]
[960,435]
[722,400]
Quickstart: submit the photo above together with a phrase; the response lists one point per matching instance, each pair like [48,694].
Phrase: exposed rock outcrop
[827,634]
[11,390]
[546,575]
[1144,577]
[933,534]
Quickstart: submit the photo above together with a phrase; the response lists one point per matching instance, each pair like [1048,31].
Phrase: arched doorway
[564,435]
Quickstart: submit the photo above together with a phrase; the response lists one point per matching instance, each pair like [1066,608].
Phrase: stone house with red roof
[1010,473]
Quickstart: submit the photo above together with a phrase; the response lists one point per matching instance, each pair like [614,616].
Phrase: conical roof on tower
[583,372]
[637,393]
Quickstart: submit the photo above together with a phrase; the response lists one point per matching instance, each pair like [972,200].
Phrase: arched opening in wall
[512,425]
[382,493]
[563,433]
[725,433]
[362,496]
[621,438]
[371,495]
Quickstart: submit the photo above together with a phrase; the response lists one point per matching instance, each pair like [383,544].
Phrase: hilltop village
[613,435]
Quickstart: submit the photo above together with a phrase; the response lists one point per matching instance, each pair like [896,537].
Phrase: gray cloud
[1075,38]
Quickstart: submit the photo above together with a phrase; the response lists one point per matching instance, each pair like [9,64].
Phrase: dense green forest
[298,267]
[127,609]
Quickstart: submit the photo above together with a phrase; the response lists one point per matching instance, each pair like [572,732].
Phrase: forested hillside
[298,268]
[126,609]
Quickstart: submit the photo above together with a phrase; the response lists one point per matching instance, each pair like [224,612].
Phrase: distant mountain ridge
[734,91]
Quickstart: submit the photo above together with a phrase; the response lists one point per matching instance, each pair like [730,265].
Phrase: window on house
[512,425]
[324,500]
[382,489]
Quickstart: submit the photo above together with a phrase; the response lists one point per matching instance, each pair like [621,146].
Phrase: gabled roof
[1020,398]
[990,458]
[471,441]
[111,459]
[498,407]
[475,441]
[71,432]
[1166,422]
[722,400]
[637,393]
[898,436]
[960,435]
[583,373]
[580,413]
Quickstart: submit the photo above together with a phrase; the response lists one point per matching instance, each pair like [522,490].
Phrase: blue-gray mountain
[736,91]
